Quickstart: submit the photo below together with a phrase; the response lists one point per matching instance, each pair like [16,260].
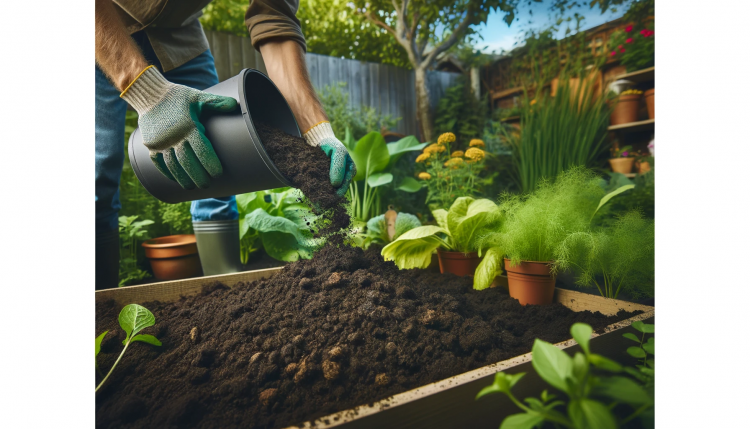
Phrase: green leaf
[582,334]
[285,247]
[649,346]
[552,364]
[414,248]
[349,141]
[150,339]
[133,318]
[99,342]
[601,362]
[636,352]
[580,368]
[611,195]
[622,389]
[492,388]
[264,222]
[632,336]
[590,414]
[406,144]
[522,421]
[441,217]
[409,184]
[370,155]
[243,200]
[642,327]
[489,267]
[405,222]
[300,214]
[465,218]
[635,373]
[379,179]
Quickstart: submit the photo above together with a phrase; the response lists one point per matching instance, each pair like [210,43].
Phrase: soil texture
[323,335]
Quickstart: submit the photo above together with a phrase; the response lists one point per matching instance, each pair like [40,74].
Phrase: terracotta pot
[530,282]
[173,257]
[458,263]
[643,167]
[649,96]
[622,165]
[626,109]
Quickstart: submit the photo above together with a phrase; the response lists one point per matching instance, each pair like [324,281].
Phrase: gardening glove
[168,118]
[342,166]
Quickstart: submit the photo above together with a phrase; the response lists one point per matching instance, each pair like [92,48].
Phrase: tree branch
[381,24]
[451,40]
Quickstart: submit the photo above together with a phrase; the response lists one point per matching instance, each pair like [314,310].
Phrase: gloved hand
[343,169]
[168,118]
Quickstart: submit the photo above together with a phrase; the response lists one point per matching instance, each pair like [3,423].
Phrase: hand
[342,169]
[171,130]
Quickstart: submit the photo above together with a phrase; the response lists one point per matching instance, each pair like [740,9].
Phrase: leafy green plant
[620,258]
[633,47]
[133,319]
[642,198]
[643,372]
[461,113]
[132,232]
[377,229]
[176,217]
[596,394]
[457,230]
[343,116]
[374,159]
[559,132]
[535,224]
[280,221]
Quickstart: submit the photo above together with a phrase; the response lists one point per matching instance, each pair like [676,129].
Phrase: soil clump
[342,329]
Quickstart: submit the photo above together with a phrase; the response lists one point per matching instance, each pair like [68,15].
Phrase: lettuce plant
[377,231]
[133,319]
[457,230]
[280,221]
[596,392]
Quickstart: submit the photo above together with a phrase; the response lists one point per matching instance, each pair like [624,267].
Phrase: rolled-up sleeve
[273,19]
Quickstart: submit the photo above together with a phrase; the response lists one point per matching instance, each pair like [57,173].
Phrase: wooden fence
[387,88]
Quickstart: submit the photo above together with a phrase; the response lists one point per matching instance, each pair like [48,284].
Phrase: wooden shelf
[632,127]
[640,76]
[506,92]
[511,119]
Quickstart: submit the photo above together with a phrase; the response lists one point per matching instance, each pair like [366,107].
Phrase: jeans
[198,73]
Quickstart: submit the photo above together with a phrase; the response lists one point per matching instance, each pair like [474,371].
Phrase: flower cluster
[632,92]
[634,51]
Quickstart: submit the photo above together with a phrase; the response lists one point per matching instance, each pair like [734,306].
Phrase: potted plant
[532,228]
[622,160]
[634,48]
[649,97]
[643,162]
[626,109]
[454,238]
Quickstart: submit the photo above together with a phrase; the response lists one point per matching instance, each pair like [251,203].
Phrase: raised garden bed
[334,333]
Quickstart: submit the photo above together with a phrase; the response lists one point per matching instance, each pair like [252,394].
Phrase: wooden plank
[259,63]
[248,54]
[221,55]
[234,48]
[639,76]
[312,70]
[374,82]
[632,127]
[355,81]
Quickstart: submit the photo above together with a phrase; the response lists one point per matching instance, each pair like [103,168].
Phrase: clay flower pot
[626,109]
[530,282]
[622,165]
[458,263]
[643,167]
[649,96]
[173,257]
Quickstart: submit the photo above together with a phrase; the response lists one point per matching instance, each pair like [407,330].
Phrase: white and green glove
[168,118]
[342,166]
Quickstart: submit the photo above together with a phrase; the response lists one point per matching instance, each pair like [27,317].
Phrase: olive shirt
[176,34]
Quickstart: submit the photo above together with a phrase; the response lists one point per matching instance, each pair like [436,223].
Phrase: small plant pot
[530,282]
[622,165]
[626,109]
[173,257]
[643,167]
[458,263]
[649,96]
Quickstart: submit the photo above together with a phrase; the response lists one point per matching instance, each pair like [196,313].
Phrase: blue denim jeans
[198,73]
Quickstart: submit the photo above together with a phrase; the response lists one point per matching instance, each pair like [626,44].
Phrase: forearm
[116,53]
[285,63]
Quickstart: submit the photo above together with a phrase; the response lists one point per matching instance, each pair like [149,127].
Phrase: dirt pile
[322,335]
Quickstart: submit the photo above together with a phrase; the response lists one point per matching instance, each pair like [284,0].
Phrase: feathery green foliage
[617,259]
[559,132]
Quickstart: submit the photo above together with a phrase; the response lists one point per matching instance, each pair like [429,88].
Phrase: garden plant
[377,228]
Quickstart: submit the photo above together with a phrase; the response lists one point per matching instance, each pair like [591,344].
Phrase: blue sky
[498,36]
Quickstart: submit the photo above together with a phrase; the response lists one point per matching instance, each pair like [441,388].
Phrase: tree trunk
[424,114]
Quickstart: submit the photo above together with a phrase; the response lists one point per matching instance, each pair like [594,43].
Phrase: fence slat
[221,55]
[235,54]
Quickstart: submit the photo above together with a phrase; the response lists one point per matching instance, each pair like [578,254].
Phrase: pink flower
[619,47]
[624,154]
[643,32]
[622,51]
[648,34]
[612,54]
[629,40]
[629,28]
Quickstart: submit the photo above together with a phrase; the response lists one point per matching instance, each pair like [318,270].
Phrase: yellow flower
[476,143]
[474,154]
[533,102]
[457,154]
[424,176]
[423,157]
[434,148]
[446,138]
[454,163]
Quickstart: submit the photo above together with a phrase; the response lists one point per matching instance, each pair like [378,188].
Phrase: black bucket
[246,165]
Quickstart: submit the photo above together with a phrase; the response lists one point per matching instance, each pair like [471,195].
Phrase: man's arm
[285,63]
[116,53]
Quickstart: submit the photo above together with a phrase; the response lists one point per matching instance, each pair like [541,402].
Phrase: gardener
[154,55]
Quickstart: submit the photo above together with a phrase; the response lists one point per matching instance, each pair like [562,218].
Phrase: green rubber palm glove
[342,169]
[168,118]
